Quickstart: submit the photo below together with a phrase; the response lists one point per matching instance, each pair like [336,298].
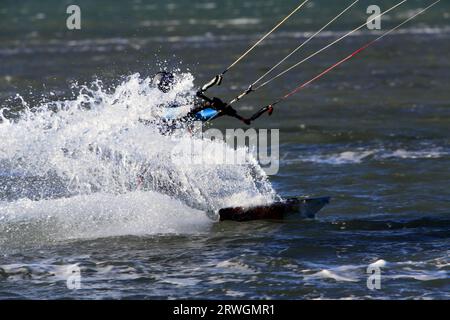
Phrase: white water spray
[62,156]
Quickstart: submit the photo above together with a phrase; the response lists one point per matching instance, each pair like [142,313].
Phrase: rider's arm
[202,96]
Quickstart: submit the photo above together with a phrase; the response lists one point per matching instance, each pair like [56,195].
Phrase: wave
[391,224]
[391,271]
[378,154]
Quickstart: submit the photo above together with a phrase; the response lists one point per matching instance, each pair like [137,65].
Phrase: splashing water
[91,162]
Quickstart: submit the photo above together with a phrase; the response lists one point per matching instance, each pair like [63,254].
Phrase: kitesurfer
[207,110]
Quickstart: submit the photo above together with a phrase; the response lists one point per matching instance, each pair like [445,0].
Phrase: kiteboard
[302,207]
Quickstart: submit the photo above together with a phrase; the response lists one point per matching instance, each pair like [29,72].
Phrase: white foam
[421,154]
[359,155]
[414,270]
[328,274]
[428,276]
[346,157]
[99,215]
[235,266]
[378,264]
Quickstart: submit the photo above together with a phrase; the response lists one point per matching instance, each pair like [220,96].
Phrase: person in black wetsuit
[209,109]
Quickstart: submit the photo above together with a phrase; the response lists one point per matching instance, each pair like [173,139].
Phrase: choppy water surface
[373,135]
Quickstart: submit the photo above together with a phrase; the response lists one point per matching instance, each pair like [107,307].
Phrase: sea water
[373,135]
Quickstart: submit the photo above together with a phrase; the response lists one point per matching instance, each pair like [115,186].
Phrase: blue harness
[206,114]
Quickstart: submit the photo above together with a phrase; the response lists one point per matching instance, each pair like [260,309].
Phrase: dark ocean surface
[374,135]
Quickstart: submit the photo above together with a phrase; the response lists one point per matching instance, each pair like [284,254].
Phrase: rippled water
[373,135]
